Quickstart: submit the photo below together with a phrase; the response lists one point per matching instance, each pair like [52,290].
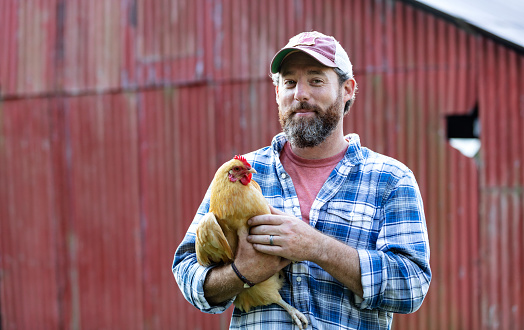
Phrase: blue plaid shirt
[370,202]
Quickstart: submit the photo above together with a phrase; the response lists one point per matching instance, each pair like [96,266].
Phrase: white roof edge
[500,18]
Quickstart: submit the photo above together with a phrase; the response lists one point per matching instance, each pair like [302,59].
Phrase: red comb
[243,160]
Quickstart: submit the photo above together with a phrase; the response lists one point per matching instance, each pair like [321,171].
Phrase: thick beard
[311,132]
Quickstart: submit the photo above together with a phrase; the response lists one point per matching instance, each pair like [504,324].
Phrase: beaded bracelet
[247,283]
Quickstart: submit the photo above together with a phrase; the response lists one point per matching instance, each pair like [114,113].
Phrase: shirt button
[283,175]
[299,279]
[296,209]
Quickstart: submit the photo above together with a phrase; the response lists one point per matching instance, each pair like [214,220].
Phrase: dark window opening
[463,132]
[464,126]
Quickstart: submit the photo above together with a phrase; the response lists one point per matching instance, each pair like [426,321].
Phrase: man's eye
[289,82]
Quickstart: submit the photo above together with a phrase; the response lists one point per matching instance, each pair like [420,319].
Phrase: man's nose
[301,91]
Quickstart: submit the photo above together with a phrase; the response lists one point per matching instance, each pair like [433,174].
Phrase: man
[351,220]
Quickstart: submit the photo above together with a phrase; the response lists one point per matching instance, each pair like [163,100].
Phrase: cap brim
[276,63]
[279,57]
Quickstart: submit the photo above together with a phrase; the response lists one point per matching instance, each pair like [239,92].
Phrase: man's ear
[276,94]
[349,89]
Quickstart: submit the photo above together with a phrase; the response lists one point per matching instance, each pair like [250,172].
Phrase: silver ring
[271,240]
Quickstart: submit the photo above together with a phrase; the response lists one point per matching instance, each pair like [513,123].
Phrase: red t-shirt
[308,175]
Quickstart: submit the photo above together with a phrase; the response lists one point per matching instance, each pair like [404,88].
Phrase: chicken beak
[252,170]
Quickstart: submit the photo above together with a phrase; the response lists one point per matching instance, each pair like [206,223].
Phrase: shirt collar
[354,154]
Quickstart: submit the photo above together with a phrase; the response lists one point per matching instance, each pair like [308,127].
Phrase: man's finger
[261,230]
[265,219]
[261,239]
[268,249]
[276,211]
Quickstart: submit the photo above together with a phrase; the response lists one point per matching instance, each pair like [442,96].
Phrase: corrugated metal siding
[502,181]
[104,240]
[28,257]
[115,114]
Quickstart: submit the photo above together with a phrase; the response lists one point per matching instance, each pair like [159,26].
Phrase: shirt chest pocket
[352,225]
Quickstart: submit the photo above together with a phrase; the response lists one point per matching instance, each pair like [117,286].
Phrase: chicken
[235,198]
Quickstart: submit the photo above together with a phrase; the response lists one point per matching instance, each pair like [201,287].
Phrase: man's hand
[293,239]
[223,284]
[255,265]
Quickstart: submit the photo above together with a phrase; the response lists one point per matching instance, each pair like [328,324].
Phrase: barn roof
[499,19]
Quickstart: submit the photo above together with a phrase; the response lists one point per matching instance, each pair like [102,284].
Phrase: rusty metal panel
[27,45]
[103,227]
[8,24]
[77,264]
[502,201]
[169,39]
[92,44]
[36,45]
[28,291]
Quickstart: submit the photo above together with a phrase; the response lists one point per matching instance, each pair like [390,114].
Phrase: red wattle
[246,179]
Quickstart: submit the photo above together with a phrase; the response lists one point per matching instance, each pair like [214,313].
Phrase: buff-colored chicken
[235,198]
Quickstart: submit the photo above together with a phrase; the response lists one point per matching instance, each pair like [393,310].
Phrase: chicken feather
[214,247]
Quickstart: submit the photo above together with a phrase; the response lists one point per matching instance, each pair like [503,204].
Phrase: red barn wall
[114,116]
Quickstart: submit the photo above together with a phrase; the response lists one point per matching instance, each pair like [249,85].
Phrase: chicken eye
[236,169]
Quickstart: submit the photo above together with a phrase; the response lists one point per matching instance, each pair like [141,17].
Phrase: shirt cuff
[199,300]
[373,275]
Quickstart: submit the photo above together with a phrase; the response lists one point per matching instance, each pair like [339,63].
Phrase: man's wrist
[247,283]
[221,285]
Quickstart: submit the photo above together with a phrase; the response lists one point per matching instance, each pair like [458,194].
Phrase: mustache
[305,106]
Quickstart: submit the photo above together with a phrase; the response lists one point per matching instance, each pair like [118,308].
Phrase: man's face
[310,99]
